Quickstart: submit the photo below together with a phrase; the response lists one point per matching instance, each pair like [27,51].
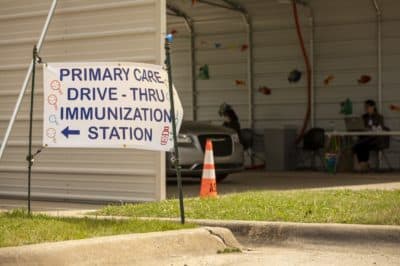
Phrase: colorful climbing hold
[394,107]
[204,72]
[346,107]
[364,79]
[294,76]
[240,82]
[328,80]
[244,47]
[265,90]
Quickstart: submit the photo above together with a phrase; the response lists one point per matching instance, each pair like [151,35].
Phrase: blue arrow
[68,132]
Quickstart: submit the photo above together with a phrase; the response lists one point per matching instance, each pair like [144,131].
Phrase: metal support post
[379,52]
[379,62]
[193,67]
[312,59]
[250,70]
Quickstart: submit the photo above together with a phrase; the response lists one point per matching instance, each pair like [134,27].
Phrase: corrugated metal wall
[345,47]
[220,34]
[391,60]
[89,30]
[181,61]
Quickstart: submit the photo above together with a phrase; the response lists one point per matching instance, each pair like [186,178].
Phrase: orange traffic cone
[208,182]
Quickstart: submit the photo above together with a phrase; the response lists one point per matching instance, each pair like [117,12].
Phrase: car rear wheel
[221,177]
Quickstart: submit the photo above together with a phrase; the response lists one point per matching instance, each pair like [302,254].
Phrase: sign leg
[30,157]
[176,151]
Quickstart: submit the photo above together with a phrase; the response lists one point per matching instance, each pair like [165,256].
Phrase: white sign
[108,105]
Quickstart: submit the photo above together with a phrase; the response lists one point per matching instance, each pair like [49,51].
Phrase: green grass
[17,228]
[331,206]
[229,250]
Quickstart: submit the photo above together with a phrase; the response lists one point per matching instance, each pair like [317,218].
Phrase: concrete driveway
[261,180]
[298,255]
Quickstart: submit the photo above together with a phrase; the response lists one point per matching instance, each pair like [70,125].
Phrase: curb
[267,233]
[133,249]
[330,234]
[257,232]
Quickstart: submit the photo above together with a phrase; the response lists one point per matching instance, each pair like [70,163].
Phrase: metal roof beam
[179,13]
[211,3]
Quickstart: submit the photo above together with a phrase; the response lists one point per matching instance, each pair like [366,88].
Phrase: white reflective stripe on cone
[209,157]
[208,174]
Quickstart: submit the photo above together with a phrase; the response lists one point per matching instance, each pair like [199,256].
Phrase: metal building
[100,30]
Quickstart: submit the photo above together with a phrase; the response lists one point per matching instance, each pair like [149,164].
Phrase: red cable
[309,74]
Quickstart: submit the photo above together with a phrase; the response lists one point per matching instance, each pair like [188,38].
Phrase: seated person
[372,121]
[231,120]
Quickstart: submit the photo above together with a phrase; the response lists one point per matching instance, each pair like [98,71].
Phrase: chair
[247,139]
[314,144]
[383,144]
